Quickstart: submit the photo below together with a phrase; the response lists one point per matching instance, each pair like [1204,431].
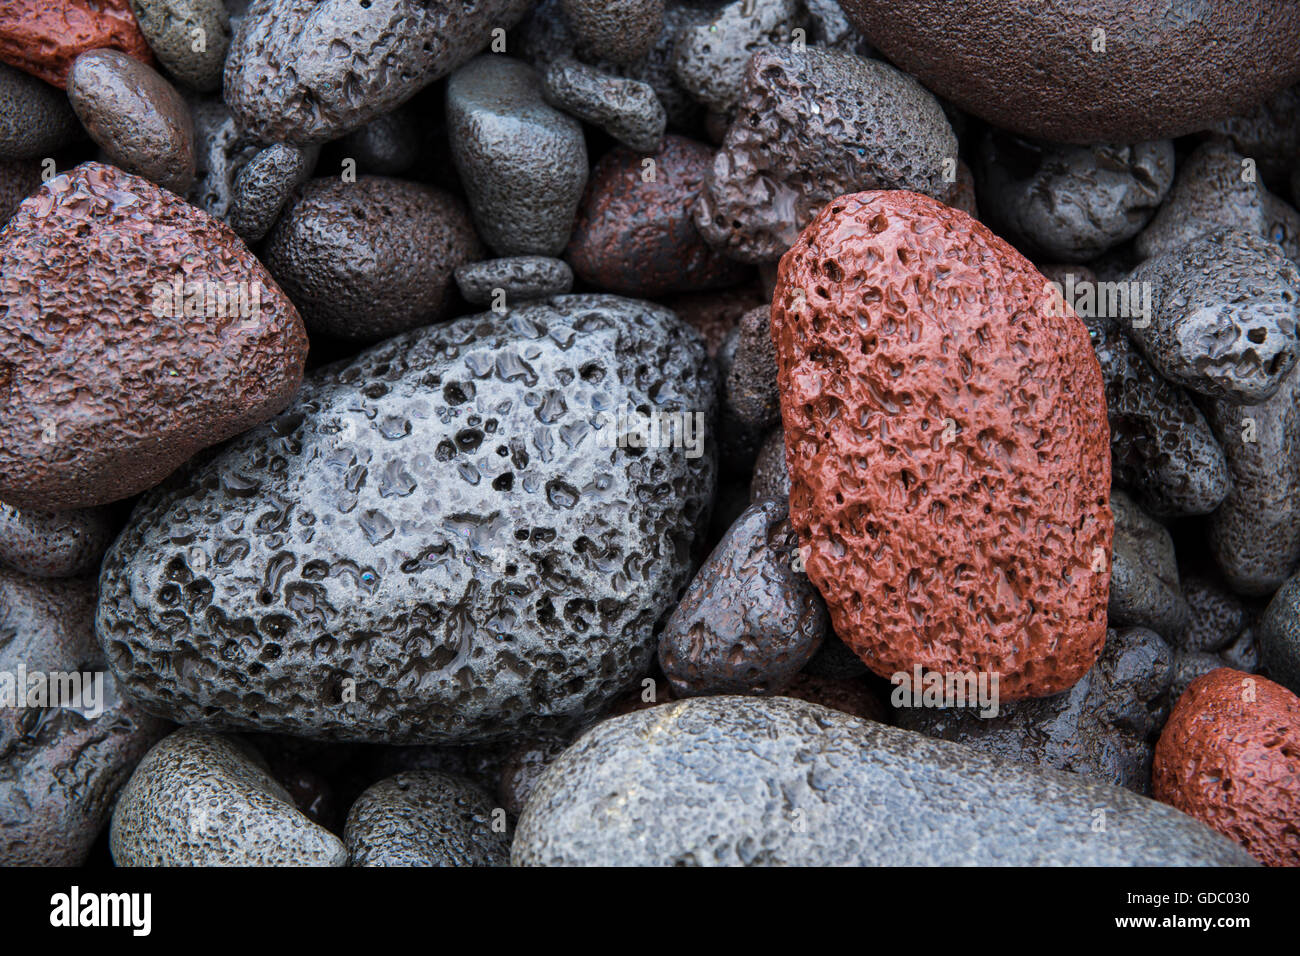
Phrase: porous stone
[710,59]
[369,259]
[1144,588]
[635,233]
[264,185]
[35,118]
[1216,617]
[1270,134]
[751,403]
[523,163]
[719,781]
[19,178]
[750,620]
[715,314]
[221,151]
[174,28]
[54,544]
[852,695]
[813,125]
[627,110]
[524,767]
[771,479]
[1153,72]
[1072,203]
[134,115]
[947,443]
[43,37]
[1189,666]
[303,72]
[205,799]
[111,381]
[60,766]
[388,145]
[519,278]
[447,525]
[422,818]
[619,30]
[1279,636]
[1105,726]
[1230,756]
[1243,653]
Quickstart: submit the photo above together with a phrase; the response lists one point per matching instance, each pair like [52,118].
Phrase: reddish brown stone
[852,695]
[948,447]
[43,37]
[637,237]
[106,387]
[1230,756]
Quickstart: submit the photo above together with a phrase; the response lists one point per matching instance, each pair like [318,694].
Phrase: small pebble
[627,110]
[1279,636]
[518,279]
[54,544]
[1144,589]
[771,479]
[264,185]
[751,402]
[619,30]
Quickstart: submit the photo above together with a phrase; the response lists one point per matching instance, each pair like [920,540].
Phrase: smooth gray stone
[772,781]
[1279,636]
[36,119]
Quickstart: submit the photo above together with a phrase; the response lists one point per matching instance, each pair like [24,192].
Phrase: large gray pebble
[54,544]
[1144,589]
[36,119]
[1279,636]
[175,27]
[710,58]
[626,109]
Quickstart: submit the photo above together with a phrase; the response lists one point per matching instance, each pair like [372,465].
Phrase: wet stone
[43,37]
[175,27]
[54,544]
[1215,619]
[710,59]
[524,767]
[1279,636]
[751,402]
[517,279]
[388,145]
[35,118]
[221,151]
[1144,589]
[626,109]
[264,185]
[619,30]
[771,479]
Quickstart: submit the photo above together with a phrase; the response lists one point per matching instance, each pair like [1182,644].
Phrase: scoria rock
[1144,588]
[43,37]
[517,279]
[1279,636]
[947,443]
[264,185]
[54,544]
[221,150]
[770,478]
[710,59]
[35,118]
[619,30]
[189,37]
[626,109]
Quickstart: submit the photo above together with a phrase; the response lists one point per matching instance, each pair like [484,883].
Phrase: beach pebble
[751,403]
[771,479]
[627,110]
[1144,589]
[710,59]
[54,544]
[189,37]
[518,279]
[36,119]
[221,151]
[1216,617]
[264,185]
[1279,636]
[619,30]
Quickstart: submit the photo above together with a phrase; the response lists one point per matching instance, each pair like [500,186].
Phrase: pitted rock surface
[264,185]
[1224,316]
[520,278]
[1279,636]
[771,479]
[43,37]
[716,781]
[710,58]
[440,522]
[305,71]
[626,109]
[35,118]
[108,394]
[173,28]
[60,767]
[619,30]
[1270,134]
[1216,617]
[751,619]
[635,233]
[1144,588]
[751,402]
[205,799]
[1166,70]
[370,259]
[221,150]
[946,437]
[54,544]
[1230,756]
[814,125]
[422,818]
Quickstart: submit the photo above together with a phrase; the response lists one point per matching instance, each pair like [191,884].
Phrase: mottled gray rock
[422,818]
[1104,726]
[1215,617]
[710,58]
[445,524]
[222,150]
[36,119]
[520,278]
[1243,653]
[19,178]
[54,544]
[524,767]
[175,27]
[751,619]
[619,30]
[771,478]
[1144,589]
[814,125]
[1189,665]
[60,766]
[1270,134]
[366,260]
[137,117]
[523,163]
[301,71]
[1223,318]
[1072,203]
[627,110]
[263,187]
[751,401]
[772,781]
[205,799]
[1279,636]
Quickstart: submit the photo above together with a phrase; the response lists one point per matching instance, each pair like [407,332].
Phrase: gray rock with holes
[626,109]
[1279,636]
[189,37]
[513,280]
[1144,588]
[54,544]
[263,187]
[439,541]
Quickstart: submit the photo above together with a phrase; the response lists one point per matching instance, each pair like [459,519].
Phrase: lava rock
[710,59]
[1270,134]
[205,799]
[264,185]
[175,27]
[426,819]
[947,444]
[524,767]
[61,765]
[771,479]
[520,279]
[137,117]
[19,178]
[750,620]
[1243,654]
[1144,589]
[1073,203]
[43,37]
[1279,636]
[774,781]
[222,149]
[1189,666]
[523,163]
[1215,618]
[1230,756]
[635,233]
[627,110]
[54,544]
[302,73]
[619,30]
[1162,73]
[751,403]
[715,314]
[35,118]
[109,393]
[1224,314]
[369,259]
[851,695]
[812,126]
[388,145]
[447,525]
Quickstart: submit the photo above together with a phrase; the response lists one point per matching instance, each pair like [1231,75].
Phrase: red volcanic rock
[635,233]
[43,37]
[948,446]
[1230,756]
[134,331]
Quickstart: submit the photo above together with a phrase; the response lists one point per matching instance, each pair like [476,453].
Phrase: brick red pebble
[948,446]
[43,37]
[1230,756]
